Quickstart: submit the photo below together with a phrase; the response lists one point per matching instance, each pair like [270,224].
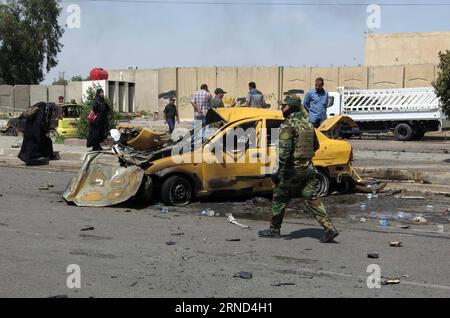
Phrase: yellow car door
[231,158]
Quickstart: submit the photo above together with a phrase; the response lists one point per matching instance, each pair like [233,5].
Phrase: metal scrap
[232,220]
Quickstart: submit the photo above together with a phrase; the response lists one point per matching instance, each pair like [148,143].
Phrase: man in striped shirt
[201,101]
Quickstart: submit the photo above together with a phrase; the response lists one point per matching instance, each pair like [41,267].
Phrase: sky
[153,34]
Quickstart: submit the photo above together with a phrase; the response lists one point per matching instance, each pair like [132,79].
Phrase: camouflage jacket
[289,133]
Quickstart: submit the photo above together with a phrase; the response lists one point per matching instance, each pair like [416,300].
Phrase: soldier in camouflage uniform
[296,173]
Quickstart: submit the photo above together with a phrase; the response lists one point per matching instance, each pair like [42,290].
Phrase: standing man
[217,102]
[201,101]
[255,98]
[296,173]
[171,114]
[316,103]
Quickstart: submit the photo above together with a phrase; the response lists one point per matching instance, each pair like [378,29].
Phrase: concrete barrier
[6,98]
[187,85]
[419,75]
[329,74]
[354,77]
[54,92]
[386,77]
[38,93]
[21,97]
[74,92]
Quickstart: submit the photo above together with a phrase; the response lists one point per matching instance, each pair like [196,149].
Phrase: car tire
[145,192]
[403,132]
[53,134]
[322,184]
[176,191]
[11,131]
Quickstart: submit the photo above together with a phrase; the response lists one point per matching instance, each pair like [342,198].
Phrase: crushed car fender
[102,182]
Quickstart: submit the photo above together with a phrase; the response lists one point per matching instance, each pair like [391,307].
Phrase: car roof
[237,113]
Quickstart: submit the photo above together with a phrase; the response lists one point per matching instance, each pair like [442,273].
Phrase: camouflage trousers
[300,184]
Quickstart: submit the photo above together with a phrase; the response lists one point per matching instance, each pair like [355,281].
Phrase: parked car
[63,123]
[143,167]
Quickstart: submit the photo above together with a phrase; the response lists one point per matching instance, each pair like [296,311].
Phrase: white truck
[408,112]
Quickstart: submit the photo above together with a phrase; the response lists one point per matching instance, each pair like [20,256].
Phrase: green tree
[442,83]
[83,124]
[77,78]
[61,81]
[29,40]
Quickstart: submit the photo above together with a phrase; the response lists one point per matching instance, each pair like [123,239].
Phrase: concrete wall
[38,93]
[21,97]
[74,92]
[405,48]
[167,87]
[187,85]
[55,91]
[330,75]
[6,98]
[419,75]
[354,77]
[386,77]
[296,78]
[147,92]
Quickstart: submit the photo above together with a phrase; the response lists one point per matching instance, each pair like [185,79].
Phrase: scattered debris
[49,185]
[362,220]
[233,240]
[185,258]
[396,244]
[430,208]
[164,210]
[232,220]
[177,234]
[260,201]
[43,188]
[58,296]
[91,228]
[384,222]
[283,284]
[426,182]
[404,227]
[390,282]
[420,219]
[440,228]
[128,211]
[243,275]
[170,243]
[398,191]
[412,197]
[133,284]
[373,255]
[208,212]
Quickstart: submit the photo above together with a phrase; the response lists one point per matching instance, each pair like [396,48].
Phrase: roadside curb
[428,177]
[64,155]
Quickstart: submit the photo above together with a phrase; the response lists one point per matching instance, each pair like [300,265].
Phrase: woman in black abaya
[98,129]
[37,147]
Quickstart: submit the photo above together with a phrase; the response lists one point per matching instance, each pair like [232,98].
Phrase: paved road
[126,254]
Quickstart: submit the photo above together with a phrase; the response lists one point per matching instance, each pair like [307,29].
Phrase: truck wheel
[145,192]
[176,191]
[403,132]
[322,183]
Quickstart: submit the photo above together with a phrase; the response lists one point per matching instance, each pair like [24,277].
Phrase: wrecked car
[148,165]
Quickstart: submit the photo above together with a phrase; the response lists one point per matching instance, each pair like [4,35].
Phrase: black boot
[329,236]
[270,233]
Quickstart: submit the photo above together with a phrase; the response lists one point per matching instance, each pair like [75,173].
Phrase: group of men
[315,103]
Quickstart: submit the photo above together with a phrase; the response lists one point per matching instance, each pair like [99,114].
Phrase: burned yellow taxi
[234,152]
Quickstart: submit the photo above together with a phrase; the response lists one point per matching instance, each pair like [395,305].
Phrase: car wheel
[403,132]
[346,186]
[177,191]
[53,134]
[11,131]
[145,192]
[322,184]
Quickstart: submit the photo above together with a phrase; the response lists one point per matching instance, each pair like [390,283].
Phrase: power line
[258,3]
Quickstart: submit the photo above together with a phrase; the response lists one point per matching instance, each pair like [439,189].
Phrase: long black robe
[98,130]
[37,147]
